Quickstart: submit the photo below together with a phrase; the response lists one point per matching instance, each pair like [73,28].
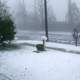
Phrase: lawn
[26,64]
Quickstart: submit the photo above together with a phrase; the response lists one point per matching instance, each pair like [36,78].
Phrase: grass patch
[75,52]
[9,47]
[58,49]
[64,50]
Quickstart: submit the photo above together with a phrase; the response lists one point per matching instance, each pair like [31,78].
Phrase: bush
[40,47]
[7,26]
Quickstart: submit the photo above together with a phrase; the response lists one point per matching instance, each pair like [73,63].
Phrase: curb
[54,48]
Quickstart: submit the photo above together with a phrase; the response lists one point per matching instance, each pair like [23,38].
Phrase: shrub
[40,47]
[7,26]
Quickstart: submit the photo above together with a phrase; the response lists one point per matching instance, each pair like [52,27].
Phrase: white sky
[59,6]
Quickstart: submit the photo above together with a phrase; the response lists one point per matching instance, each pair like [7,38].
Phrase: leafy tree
[7,28]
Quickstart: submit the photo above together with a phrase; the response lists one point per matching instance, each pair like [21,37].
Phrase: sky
[59,6]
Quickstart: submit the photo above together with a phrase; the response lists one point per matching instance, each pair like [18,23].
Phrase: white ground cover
[25,64]
[66,47]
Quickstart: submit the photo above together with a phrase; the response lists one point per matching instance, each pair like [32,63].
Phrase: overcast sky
[59,6]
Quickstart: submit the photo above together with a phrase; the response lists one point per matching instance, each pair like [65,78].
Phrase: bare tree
[21,14]
[51,16]
[76,36]
[73,14]
[44,14]
[39,13]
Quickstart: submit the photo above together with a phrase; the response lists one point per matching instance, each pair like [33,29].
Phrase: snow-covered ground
[53,45]
[25,64]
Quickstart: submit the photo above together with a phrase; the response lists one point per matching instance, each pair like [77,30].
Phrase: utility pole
[46,20]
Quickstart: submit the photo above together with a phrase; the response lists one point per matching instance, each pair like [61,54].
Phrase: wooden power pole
[46,20]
